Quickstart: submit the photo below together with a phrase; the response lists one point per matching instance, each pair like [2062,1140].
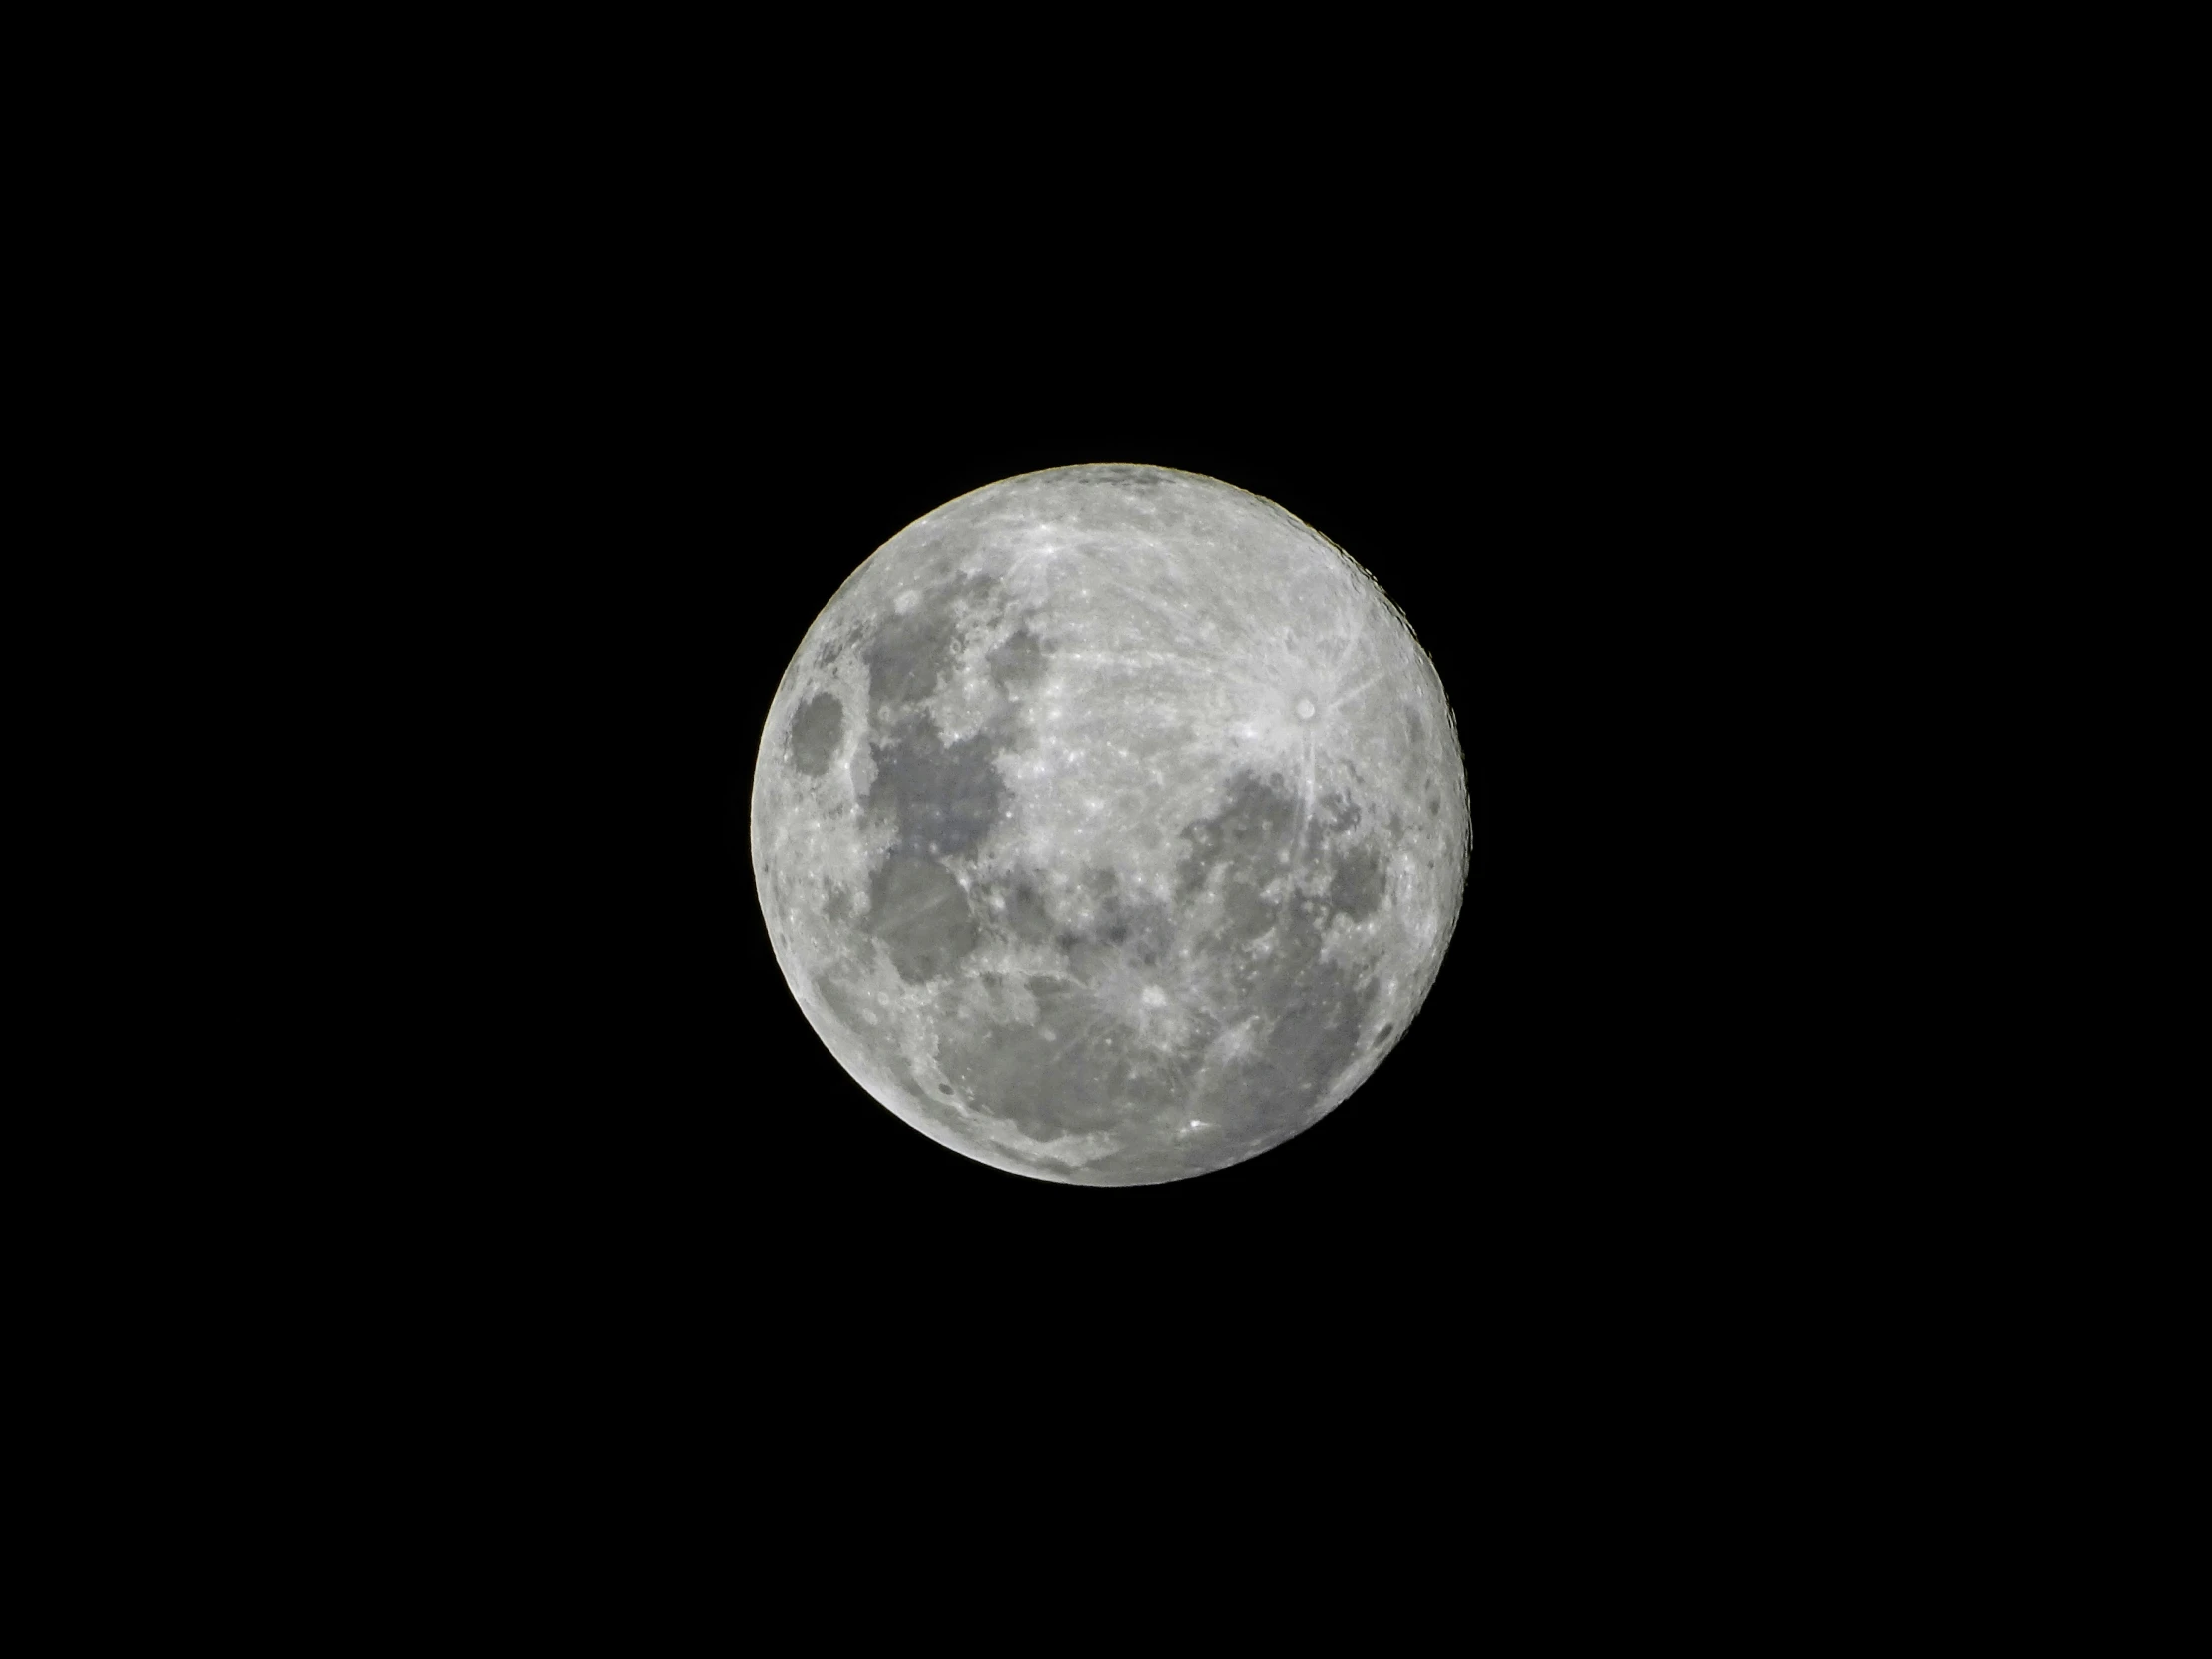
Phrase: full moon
[1110,826]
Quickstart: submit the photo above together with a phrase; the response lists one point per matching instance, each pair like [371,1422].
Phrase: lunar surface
[1110,826]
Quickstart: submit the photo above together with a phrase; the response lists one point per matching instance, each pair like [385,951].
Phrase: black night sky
[646,521]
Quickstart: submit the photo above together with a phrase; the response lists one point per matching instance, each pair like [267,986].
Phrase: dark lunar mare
[1314,1007]
[920,912]
[815,731]
[944,797]
[1357,885]
[1018,662]
[910,654]
[941,799]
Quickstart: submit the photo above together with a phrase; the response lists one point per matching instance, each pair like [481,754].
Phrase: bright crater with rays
[1109,825]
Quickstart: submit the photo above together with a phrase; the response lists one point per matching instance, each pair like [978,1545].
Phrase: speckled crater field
[1110,825]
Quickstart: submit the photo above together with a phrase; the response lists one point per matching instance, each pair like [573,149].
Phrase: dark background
[665,1113]
[550,456]
[617,501]
[568,450]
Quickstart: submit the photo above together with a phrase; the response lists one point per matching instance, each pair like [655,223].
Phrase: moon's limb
[1109,824]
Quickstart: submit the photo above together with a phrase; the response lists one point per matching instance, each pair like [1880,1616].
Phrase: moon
[1110,826]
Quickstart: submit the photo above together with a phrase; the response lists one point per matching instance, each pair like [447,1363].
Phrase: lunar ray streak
[1153,663]
[1305,804]
[1159,609]
[1342,698]
[1351,645]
